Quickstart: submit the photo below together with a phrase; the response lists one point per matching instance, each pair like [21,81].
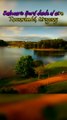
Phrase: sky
[32,5]
[32,31]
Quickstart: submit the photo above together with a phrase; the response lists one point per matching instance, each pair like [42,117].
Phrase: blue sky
[42,4]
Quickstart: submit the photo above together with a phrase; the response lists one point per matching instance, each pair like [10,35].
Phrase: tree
[39,71]
[38,63]
[42,89]
[3,43]
[25,67]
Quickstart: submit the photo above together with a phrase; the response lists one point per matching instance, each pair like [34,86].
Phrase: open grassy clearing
[55,68]
[57,64]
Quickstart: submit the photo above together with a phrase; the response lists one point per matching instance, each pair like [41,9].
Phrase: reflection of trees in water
[50,53]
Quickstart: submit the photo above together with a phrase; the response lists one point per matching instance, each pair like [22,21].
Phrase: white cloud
[39,35]
[8,31]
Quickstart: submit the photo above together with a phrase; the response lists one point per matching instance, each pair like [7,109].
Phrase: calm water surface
[9,56]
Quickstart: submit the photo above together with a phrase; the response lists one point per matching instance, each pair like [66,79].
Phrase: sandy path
[31,109]
[32,87]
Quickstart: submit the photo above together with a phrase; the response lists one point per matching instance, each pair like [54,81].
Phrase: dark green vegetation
[8,91]
[42,89]
[52,69]
[59,87]
[15,81]
[16,43]
[56,68]
[56,43]
[3,43]
[50,113]
[38,63]
[42,71]
[3,117]
[25,67]
[55,112]
[12,43]
[54,53]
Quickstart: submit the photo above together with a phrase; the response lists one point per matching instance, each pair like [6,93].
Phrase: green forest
[42,44]
[3,43]
[55,43]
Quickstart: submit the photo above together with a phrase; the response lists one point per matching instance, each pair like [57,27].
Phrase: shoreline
[35,49]
[47,49]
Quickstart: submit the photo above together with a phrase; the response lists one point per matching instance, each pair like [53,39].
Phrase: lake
[9,56]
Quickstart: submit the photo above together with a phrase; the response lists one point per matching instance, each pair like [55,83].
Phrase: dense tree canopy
[55,43]
[3,43]
[25,67]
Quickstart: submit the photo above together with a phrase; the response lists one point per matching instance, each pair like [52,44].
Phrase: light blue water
[9,56]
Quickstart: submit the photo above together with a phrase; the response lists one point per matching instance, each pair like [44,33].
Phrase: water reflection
[51,56]
[9,57]
[50,53]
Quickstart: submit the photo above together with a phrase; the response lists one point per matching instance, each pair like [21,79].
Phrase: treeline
[3,43]
[56,44]
[43,44]
[16,43]
[12,43]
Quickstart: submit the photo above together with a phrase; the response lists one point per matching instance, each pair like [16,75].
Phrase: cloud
[24,34]
[8,31]
[15,30]
[39,35]
[24,38]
